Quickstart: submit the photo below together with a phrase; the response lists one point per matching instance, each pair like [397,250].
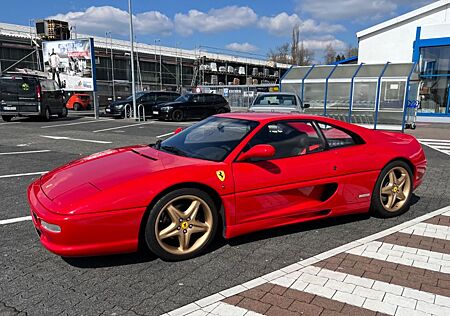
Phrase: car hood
[173,103]
[115,103]
[110,180]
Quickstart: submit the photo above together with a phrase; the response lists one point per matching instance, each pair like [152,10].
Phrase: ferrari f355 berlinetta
[232,174]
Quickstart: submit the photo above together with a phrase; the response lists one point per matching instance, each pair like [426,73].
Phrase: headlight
[51,227]
[166,108]
[120,106]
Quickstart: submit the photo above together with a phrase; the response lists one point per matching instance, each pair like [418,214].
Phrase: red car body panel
[100,201]
[83,99]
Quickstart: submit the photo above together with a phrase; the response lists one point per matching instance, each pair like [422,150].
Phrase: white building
[421,36]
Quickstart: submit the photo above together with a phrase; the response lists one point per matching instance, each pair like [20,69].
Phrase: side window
[337,137]
[150,97]
[55,86]
[160,98]
[46,85]
[198,98]
[289,138]
[210,99]
[172,96]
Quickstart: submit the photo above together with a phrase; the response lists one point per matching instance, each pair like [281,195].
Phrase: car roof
[276,93]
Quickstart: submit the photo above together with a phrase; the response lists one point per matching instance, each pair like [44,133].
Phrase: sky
[247,26]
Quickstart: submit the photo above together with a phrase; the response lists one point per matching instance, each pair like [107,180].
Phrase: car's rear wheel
[221,110]
[7,118]
[47,115]
[181,224]
[77,107]
[393,190]
[177,115]
[64,112]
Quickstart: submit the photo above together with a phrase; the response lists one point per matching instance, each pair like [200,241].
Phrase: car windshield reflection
[211,139]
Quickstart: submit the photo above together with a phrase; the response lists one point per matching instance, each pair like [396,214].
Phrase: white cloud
[98,20]
[283,23]
[242,47]
[320,43]
[215,20]
[356,9]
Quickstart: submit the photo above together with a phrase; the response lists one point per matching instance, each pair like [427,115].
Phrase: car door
[294,182]
[354,162]
[195,107]
[149,100]
[58,97]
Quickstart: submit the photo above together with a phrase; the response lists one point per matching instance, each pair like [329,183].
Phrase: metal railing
[141,106]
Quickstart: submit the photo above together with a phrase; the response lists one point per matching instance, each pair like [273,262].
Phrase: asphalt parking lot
[36,282]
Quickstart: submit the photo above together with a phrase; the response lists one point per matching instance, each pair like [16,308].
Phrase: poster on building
[70,63]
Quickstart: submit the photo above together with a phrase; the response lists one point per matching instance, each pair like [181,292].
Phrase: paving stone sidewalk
[404,270]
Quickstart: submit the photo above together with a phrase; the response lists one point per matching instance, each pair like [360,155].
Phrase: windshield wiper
[174,150]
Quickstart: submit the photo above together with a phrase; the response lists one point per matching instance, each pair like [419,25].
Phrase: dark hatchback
[147,99]
[25,95]
[192,106]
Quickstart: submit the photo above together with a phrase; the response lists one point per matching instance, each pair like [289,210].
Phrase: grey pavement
[36,282]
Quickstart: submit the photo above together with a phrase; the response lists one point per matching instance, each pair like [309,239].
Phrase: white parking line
[8,123]
[77,139]
[76,123]
[22,174]
[25,152]
[164,135]
[15,220]
[120,127]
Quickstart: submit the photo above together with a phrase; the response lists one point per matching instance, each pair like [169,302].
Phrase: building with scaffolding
[157,67]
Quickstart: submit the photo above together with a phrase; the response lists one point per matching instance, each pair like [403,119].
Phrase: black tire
[7,118]
[89,107]
[377,207]
[177,116]
[77,107]
[156,218]
[63,113]
[47,115]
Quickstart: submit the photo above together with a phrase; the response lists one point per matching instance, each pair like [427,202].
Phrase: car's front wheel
[393,190]
[77,106]
[177,115]
[63,113]
[7,118]
[181,224]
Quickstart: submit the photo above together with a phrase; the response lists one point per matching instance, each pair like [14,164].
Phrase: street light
[133,88]
[112,63]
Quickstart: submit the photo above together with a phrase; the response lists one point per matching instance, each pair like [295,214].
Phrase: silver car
[283,102]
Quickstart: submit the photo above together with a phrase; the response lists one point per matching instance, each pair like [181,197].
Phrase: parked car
[147,99]
[25,95]
[283,102]
[228,175]
[79,101]
[192,106]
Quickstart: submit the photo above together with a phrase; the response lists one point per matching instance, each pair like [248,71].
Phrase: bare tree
[280,54]
[305,56]
[351,51]
[330,54]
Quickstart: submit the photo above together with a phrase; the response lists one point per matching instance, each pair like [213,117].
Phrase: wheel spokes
[199,227]
[192,210]
[169,231]
[401,181]
[392,177]
[174,214]
[387,189]
[391,200]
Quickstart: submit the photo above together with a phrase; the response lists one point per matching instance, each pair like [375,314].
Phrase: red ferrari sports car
[236,173]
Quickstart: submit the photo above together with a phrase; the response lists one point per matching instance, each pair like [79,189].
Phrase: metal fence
[375,95]
[239,96]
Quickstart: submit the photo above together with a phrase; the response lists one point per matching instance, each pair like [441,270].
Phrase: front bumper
[86,234]
[113,112]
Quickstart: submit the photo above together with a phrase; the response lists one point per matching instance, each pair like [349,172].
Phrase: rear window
[18,87]
[275,100]
[84,97]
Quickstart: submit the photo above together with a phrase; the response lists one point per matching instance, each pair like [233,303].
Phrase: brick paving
[404,270]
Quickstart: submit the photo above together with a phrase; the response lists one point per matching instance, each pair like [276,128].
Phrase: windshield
[183,98]
[138,95]
[211,139]
[286,100]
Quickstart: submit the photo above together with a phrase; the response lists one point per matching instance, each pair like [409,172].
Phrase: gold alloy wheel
[395,189]
[184,225]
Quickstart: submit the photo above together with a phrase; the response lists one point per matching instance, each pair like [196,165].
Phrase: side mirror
[179,129]
[306,105]
[257,151]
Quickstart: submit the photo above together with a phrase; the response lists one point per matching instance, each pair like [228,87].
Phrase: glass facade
[435,80]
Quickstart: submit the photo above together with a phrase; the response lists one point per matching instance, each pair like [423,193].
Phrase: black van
[23,95]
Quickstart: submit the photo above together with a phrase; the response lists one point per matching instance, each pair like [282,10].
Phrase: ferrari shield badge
[220,175]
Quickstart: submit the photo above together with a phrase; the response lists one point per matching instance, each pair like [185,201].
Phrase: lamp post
[133,88]
[112,68]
